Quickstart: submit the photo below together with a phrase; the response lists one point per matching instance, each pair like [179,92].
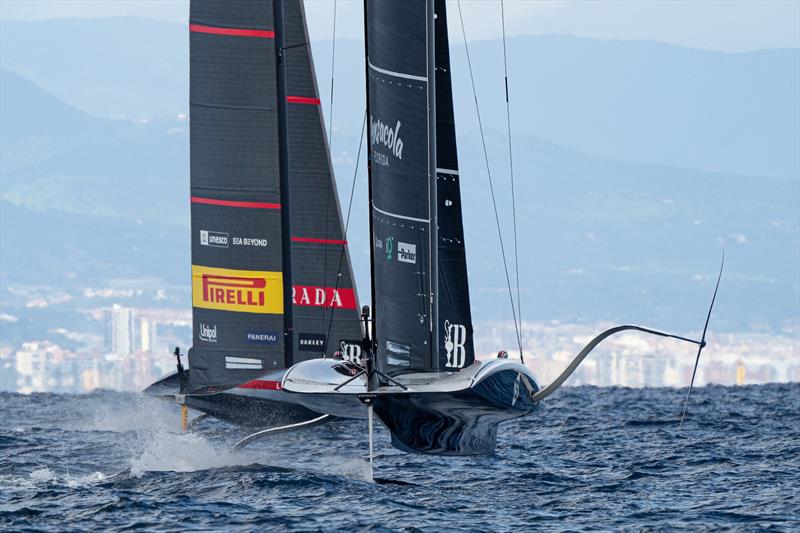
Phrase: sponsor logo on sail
[245,291]
[208,333]
[311,342]
[407,253]
[384,135]
[243,363]
[250,241]
[397,353]
[455,339]
[218,239]
[261,337]
[389,247]
[306,295]
[351,350]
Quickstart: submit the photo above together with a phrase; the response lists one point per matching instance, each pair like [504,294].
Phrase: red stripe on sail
[318,241]
[302,100]
[232,203]
[261,384]
[238,32]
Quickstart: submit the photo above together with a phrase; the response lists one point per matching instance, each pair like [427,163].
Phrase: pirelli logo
[244,291]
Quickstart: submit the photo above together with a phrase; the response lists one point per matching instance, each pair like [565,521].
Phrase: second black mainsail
[421,294]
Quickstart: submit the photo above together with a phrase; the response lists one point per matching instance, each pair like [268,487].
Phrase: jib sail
[241,306]
[326,311]
[419,269]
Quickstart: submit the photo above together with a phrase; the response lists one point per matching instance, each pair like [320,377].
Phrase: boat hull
[455,415]
[454,423]
[258,404]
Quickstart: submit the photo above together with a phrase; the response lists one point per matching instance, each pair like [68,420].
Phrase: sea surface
[592,459]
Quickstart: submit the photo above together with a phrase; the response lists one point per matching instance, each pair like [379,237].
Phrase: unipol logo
[455,338]
[384,135]
[351,351]
[208,333]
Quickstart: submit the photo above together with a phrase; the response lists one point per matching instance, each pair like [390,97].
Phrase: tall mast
[372,382]
[283,150]
[433,204]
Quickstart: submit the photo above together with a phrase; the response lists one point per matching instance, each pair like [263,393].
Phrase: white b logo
[455,337]
[351,352]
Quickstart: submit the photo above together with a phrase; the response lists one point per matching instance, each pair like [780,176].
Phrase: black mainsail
[256,124]
[419,266]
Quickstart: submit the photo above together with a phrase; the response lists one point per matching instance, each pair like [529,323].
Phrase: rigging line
[333,69]
[511,169]
[330,151]
[489,174]
[347,219]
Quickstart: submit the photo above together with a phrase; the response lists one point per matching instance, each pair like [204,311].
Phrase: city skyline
[133,355]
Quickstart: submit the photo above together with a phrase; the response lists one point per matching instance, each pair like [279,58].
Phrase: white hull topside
[319,376]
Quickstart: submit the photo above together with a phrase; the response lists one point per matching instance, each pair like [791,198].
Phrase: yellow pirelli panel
[243,291]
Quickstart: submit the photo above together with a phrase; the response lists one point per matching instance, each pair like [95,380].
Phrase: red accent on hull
[238,32]
[261,384]
[232,203]
[317,241]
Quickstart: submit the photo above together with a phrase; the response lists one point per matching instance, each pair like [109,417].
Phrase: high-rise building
[119,330]
[8,372]
[653,368]
[144,335]
[605,362]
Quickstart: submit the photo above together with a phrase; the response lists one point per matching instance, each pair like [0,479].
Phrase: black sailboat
[420,376]
[426,385]
[272,283]
[272,288]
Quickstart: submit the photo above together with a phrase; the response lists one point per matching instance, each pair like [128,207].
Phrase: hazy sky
[716,25]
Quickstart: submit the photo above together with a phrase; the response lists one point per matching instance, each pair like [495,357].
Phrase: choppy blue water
[593,459]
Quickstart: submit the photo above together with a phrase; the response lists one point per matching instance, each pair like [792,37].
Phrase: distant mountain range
[629,100]
[692,151]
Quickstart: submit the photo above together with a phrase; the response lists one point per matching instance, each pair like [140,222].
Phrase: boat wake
[115,437]
[42,477]
[165,451]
